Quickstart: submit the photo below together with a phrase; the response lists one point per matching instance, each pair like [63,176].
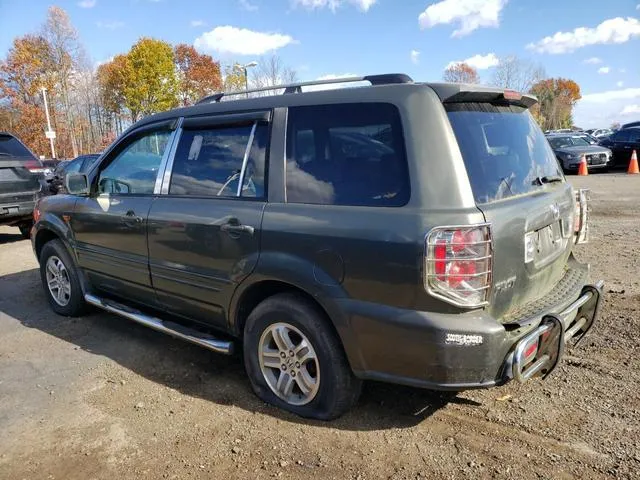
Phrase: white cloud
[638,7]
[197,23]
[603,70]
[415,56]
[110,25]
[248,6]
[631,109]
[87,3]
[467,14]
[241,41]
[620,84]
[597,110]
[333,5]
[611,95]
[593,61]
[614,30]
[479,62]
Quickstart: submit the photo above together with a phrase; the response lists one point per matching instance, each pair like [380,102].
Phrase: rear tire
[60,280]
[322,385]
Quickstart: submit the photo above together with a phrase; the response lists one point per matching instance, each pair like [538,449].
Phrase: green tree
[150,82]
[234,78]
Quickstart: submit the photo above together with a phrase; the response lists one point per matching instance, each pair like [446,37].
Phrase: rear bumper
[12,213]
[464,351]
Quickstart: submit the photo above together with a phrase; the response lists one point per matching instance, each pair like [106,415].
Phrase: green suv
[406,232]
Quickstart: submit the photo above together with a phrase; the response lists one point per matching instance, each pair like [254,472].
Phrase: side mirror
[77,184]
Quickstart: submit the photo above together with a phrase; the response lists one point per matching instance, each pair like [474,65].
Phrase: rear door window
[347,154]
[505,152]
[209,162]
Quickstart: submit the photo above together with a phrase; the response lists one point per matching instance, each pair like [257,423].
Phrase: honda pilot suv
[412,233]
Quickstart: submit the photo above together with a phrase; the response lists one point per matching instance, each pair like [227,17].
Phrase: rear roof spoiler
[462,92]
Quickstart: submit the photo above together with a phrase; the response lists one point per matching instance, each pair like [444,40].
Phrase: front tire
[295,361]
[60,280]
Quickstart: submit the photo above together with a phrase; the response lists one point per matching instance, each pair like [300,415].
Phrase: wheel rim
[289,364]
[58,281]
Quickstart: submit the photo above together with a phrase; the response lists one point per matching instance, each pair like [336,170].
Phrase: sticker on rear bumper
[463,340]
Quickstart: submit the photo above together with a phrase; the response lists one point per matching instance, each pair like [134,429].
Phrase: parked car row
[24,178]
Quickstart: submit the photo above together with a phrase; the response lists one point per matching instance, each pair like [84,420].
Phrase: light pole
[246,76]
[50,134]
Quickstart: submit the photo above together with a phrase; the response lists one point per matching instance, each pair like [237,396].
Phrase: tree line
[556,96]
[90,106]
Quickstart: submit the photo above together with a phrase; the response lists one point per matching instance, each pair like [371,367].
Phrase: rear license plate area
[9,210]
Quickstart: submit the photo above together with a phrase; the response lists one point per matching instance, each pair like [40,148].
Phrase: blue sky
[595,43]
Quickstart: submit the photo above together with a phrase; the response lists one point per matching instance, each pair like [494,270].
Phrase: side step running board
[170,328]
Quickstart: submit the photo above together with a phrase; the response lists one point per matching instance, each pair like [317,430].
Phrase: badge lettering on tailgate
[463,339]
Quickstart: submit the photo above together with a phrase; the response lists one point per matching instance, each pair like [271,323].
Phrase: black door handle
[131,219]
[235,229]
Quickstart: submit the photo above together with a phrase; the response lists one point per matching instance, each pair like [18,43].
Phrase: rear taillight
[458,264]
[581,217]
[34,166]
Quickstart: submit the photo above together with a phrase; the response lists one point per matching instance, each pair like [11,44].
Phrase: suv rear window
[11,147]
[347,154]
[503,148]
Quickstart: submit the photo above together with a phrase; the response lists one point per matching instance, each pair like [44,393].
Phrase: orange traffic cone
[582,169]
[633,164]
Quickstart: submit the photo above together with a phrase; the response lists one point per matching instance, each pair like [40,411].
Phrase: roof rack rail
[383,79]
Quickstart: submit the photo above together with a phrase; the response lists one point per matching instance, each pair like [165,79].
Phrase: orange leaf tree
[556,99]
[461,73]
[198,74]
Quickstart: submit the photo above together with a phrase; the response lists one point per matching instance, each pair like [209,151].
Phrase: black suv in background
[622,143]
[21,176]
[407,232]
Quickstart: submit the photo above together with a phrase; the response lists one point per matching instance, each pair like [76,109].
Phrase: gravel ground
[100,397]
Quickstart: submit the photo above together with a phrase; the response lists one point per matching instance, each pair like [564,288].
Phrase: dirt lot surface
[100,397]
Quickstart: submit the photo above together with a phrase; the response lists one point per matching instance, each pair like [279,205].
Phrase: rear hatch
[519,187]
[20,171]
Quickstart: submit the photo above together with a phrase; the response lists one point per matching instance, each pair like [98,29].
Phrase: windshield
[503,148]
[564,142]
[11,147]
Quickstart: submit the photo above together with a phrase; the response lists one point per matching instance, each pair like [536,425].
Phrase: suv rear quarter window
[347,154]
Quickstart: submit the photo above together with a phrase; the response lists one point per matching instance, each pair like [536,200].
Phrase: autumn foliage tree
[198,74]
[556,99]
[22,74]
[461,73]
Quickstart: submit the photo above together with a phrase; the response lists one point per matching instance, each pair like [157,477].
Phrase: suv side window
[209,162]
[634,135]
[135,168]
[347,154]
[620,136]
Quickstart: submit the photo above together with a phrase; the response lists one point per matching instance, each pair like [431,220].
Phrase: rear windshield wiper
[547,179]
